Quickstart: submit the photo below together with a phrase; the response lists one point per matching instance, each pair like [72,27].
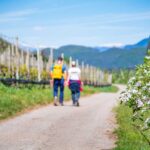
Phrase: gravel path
[88,127]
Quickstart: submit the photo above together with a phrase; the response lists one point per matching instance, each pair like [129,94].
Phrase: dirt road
[88,127]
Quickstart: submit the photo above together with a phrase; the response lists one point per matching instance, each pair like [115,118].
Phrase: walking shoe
[55,104]
[73,104]
[78,104]
[61,104]
[55,101]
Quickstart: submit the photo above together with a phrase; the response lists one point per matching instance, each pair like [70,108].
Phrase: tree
[137,97]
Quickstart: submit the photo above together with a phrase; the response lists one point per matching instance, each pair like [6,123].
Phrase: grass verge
[14,100]
[128,137]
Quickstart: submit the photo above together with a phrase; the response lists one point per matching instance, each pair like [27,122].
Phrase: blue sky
[82,22]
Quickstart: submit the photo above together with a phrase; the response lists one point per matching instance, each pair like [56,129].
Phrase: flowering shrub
[137,96]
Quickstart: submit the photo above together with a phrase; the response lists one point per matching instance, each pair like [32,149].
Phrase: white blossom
[147,121]
[148,84]
[148,102]
[137,94]
[144,97]
[138,84]
[134,91]
[147,57]
[144,88]
[145,71]
[139,103]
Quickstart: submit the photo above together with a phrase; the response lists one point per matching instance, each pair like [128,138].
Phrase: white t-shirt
[74,73]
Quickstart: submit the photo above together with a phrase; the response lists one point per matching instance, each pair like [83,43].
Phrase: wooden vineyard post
[48,65]
[32,61]
[96,79]
[38,64]
[101,77]
[51,56]
[22,57]
[12,60]
[17,59]
[41,64]
[87,74]
[98,76]
[90,74]
[94,76]
[82,71]
[28,63]
[9,60]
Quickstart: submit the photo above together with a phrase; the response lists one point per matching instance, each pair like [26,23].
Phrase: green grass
[15,100]
[128,137]
[92,90]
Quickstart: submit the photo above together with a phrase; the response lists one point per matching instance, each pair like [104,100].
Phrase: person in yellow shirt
[58,75]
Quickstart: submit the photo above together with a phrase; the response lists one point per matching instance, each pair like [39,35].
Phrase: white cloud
[39,28]
[16,15]
[112,44]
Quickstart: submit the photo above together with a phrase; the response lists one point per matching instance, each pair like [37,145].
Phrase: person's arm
[65,75]
[51,71]
[68,76]
[64,70]
[51,75]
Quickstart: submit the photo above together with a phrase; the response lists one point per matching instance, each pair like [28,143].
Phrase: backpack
[57,72]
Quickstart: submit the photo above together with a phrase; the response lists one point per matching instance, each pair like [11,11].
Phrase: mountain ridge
[109,58]
[113,58]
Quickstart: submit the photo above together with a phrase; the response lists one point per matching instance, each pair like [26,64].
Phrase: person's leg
[77,95]
[73,97]
[61,98]
[73,89]
[55,91]
[77,98]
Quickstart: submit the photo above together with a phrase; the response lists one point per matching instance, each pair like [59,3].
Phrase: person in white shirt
[74,81]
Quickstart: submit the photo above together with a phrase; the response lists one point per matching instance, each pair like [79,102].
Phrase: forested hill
[111,58]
